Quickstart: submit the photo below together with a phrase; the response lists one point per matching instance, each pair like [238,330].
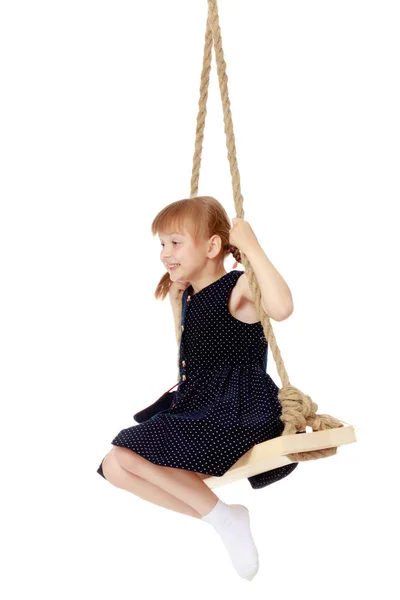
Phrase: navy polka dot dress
[225,402]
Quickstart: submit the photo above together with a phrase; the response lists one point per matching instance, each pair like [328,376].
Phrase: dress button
[182,327]
[183,364]
[188,299]
[183,377]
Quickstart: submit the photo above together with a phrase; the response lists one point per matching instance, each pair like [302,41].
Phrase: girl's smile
[173,268]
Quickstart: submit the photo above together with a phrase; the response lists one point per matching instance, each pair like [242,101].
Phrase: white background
[98,109]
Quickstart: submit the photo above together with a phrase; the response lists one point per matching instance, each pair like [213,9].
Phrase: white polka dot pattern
[225,403]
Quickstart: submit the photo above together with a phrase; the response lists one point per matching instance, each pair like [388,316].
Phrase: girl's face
[181,249]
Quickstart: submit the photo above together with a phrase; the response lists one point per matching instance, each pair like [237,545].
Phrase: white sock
[232,523]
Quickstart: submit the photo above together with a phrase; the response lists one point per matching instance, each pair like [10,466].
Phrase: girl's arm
[176,290]
[177,311]
[276,297]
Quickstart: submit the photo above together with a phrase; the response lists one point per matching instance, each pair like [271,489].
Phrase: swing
[298,410]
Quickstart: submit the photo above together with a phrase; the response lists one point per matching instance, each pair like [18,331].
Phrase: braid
[236,253]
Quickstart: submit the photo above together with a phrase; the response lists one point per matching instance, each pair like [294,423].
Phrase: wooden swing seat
[276,452]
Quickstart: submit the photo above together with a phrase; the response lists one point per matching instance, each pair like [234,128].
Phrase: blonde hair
[203,217]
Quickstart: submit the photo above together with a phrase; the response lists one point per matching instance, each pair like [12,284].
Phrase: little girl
[225,402]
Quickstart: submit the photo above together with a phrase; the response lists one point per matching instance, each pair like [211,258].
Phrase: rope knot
[298,410]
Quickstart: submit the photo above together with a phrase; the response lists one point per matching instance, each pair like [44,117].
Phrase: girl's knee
[109,465]
[116,458]
[125,458]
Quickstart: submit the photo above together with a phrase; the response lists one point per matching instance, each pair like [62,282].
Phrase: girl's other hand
[176,290]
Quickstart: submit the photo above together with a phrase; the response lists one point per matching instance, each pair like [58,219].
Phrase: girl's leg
[184,485]
[232,522]
[120,477]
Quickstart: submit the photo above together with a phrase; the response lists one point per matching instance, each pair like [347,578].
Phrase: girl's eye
[172,242]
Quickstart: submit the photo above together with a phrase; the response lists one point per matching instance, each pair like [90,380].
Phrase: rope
[298,410]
